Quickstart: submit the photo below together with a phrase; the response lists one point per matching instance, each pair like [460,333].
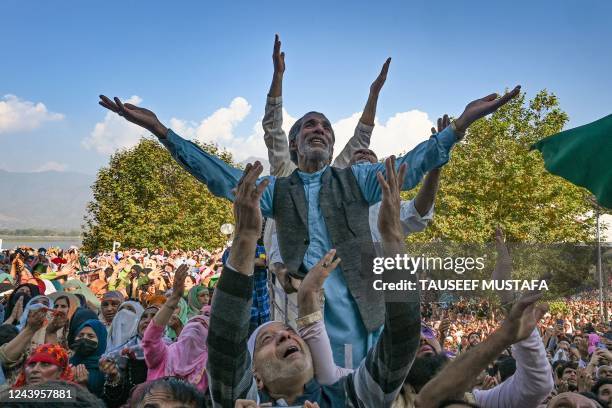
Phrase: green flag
[583,156]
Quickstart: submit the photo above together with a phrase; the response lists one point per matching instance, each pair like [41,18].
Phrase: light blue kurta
[342,320]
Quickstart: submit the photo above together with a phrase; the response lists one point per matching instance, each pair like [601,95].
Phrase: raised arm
[529,385]
[218,176]
[363,130]
[381,375]
[431,153]
[229,362]
[310,321]
[424,200]
[457,377]
[162,317]
[16,347]
[274,135]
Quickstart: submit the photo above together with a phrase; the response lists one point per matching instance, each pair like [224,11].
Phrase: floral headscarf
[47,353]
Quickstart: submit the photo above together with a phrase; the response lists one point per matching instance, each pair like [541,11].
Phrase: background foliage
[144,198]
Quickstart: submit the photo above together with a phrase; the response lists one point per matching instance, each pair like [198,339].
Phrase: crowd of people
[192,328]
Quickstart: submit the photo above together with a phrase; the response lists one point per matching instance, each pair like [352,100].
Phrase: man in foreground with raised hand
[274,364]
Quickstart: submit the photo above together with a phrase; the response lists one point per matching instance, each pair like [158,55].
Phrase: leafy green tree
[144,198]
[494,179]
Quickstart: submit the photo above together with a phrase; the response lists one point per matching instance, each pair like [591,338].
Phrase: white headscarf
[124,324]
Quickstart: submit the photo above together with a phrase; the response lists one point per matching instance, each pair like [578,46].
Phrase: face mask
[85,347]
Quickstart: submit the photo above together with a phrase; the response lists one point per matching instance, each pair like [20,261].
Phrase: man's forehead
[272,328]
[315,116]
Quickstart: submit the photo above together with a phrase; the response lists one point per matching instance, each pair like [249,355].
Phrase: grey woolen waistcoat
[346,216]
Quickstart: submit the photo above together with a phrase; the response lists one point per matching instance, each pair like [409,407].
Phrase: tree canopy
[144,198]
[493,178]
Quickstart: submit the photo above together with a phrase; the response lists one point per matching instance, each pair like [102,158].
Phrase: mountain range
[44,200]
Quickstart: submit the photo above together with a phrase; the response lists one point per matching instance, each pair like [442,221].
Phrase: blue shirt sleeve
[217,175]
[427,156]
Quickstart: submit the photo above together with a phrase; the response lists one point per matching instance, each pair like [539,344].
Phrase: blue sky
[190,60]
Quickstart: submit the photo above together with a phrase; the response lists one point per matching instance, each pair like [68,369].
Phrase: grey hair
[295,130]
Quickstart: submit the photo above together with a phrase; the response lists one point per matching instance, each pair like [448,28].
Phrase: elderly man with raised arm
[320,207]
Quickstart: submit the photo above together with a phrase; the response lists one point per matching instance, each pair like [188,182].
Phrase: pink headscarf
[187,357]
[593,340]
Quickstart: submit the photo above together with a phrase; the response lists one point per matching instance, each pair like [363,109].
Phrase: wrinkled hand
[389,223]
[443,123]
[247,212]
[36,319]
[584,380]
[482,107]
[278,57]
[109,368]
[562,386]
[310,289]
[378,83]
[444,326]
[17,310]
[286,281]
[58,321]
[488,383]
[583,346]
[81,374]
[137,115]
[175,322]
[178,285]
[523,318]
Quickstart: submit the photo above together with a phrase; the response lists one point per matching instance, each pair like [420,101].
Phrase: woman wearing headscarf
[46,363]
[77,287]
[124,325]
[57,330]
[13,345]
[36,303]
[186,358]
[80,316]
[88,347]
[26,291]
[196,299]
[124,366]
[110,306]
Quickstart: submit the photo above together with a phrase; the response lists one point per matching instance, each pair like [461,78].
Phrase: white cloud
[398,134]
[18,115]
[51,166]
[115,132]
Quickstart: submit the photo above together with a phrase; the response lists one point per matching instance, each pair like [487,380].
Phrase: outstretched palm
[482,107]
[135,114]
[381,78]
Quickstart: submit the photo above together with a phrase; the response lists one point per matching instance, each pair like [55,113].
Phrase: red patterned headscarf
[47,353]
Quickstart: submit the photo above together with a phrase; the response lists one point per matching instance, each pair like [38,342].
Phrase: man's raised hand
[523,317]
[278,57]
[381,78]
[389,223]
[482,107]
[137,115]
[247,212]
[310,289]
[443,123]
